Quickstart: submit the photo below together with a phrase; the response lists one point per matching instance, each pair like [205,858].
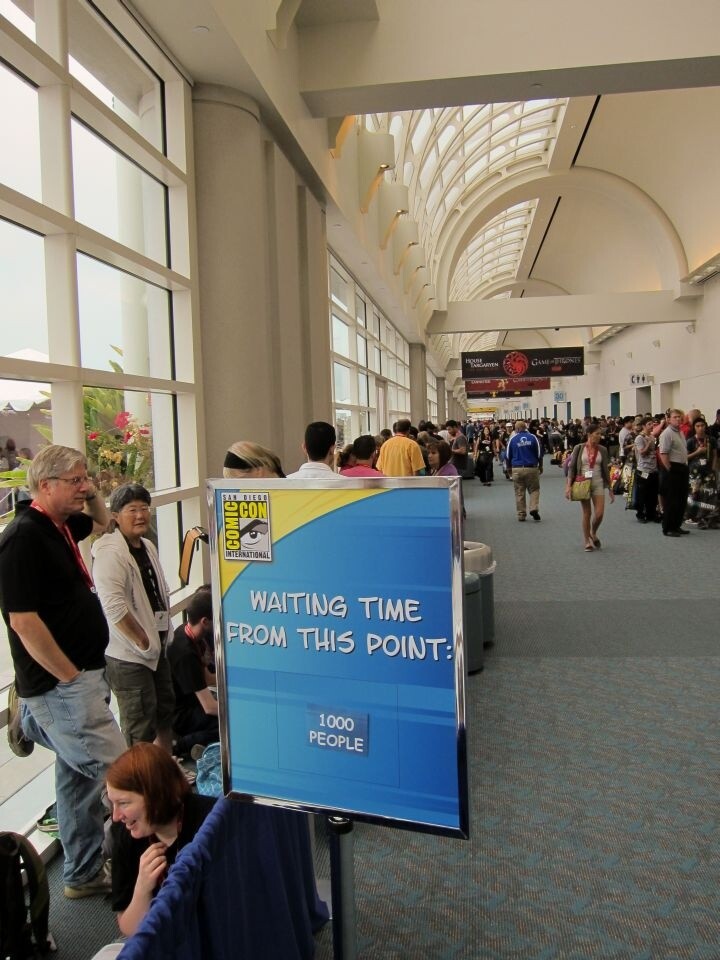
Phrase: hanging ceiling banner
[339,638]
[506,383]
[543,362]
[499,394]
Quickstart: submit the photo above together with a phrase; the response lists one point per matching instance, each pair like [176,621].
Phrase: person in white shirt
[319,447]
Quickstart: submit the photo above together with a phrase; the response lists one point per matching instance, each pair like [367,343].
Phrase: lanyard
[65,531]
[591,459]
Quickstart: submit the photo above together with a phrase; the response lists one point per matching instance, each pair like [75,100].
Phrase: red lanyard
[591,459]
[65,531]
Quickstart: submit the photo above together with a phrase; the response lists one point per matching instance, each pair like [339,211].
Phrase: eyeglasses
[136,511]
[73,481]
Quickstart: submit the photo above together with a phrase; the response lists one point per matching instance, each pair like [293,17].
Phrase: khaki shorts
[145,697]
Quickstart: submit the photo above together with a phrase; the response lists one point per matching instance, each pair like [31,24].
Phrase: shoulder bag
[580,489]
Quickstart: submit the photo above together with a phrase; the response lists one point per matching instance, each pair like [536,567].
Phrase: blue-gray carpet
[594,761]
[594,758]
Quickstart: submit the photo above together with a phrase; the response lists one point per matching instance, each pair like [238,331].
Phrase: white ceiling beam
[477,54]
[580,310]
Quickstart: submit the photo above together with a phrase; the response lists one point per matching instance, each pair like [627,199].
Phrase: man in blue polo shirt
[524,466]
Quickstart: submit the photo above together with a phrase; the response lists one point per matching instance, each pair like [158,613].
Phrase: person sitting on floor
[195,721]
[154,815]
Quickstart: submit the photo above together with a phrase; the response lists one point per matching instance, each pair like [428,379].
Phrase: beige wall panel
[594,246]
[668,143]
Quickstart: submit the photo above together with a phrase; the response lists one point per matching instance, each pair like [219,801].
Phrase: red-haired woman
[154,815]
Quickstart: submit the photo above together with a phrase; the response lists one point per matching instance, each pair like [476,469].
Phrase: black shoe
[18,742]
[535,515]
[684,533]
[641,520]
[671,533]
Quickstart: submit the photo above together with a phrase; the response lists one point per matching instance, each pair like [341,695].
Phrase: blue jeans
[74,721]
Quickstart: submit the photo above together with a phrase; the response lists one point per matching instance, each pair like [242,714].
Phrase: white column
[418,382]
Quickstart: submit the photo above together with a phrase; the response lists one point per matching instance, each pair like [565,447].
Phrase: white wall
[692,359]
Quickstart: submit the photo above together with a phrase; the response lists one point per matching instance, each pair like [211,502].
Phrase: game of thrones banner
[338,627]
[543,362]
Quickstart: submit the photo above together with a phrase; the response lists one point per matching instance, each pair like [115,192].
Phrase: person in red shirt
[365,453]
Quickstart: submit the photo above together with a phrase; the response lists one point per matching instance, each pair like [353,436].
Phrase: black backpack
[23,911]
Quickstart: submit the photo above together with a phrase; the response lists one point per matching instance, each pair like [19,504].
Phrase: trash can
[473,624]
[479,560]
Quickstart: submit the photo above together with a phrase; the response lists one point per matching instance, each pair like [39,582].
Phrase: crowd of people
[78,633]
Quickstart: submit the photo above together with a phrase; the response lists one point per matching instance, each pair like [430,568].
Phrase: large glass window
[360,310]
[343,427]
[25,418]
[340,337]
[129,437]
[124,321]
[21,15]
[117,198]
[338,289]
[376,349]
[133,416]
[110,69]
[20,153]
[22,292]
[341,383]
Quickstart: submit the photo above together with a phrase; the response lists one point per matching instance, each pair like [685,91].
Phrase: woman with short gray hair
[135,598]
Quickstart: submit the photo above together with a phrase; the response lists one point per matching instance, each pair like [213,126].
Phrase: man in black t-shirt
[58,634]
[195,722]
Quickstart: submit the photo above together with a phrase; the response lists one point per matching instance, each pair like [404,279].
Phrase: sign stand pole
[342,885]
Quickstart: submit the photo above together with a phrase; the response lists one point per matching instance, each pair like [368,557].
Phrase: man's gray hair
[52,461]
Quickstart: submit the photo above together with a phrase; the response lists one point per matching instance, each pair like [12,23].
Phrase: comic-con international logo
[246,526]
[515,363]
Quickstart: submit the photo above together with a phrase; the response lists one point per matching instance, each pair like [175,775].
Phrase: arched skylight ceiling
[494,253]
[445,156]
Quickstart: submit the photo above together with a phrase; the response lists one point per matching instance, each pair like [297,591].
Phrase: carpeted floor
[594,758]
[594,761]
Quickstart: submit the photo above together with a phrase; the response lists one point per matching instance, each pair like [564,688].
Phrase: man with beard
[195,722]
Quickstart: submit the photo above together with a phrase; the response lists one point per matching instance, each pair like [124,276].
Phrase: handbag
[580,489]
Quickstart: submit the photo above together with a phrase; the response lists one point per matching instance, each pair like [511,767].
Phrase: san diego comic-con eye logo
[515,363]
[246,528]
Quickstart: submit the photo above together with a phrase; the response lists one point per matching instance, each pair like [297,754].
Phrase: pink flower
[128,437]
[93,436]
[122,420]
[144,431]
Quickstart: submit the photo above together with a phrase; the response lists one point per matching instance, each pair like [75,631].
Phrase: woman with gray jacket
[135,598]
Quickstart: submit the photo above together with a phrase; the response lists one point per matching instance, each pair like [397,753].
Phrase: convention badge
[162,621]
[588,474]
